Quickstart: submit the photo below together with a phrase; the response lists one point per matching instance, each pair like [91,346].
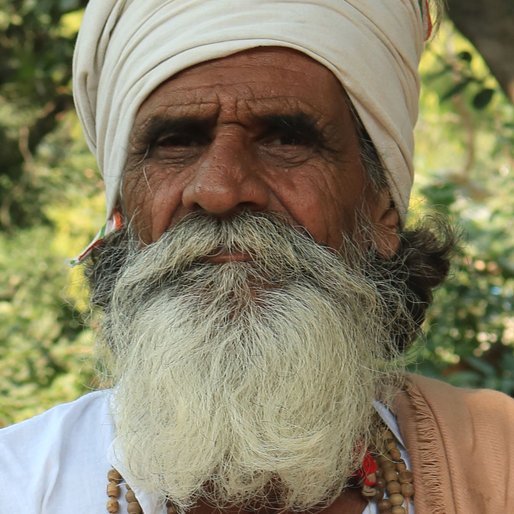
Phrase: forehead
[258,79]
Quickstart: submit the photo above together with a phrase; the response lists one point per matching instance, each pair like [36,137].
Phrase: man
[257,281]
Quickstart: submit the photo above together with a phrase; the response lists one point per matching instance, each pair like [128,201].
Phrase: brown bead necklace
[389,474]
[114,492]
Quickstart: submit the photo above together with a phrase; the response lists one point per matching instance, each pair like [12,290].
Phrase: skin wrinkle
[318,187]
[326,129]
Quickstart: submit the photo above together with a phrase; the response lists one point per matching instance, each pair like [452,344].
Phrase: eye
[287,148]
[290,131]
[288,139]
[179,147]
[182,140]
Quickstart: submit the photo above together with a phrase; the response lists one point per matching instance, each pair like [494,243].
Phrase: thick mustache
[199,237]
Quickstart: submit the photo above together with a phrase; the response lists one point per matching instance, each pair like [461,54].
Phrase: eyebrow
[298,123]
[159,125]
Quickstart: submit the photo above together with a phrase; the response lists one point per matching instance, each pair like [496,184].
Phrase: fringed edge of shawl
[429,448]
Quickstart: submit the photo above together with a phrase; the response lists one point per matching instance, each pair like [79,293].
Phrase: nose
[227,179]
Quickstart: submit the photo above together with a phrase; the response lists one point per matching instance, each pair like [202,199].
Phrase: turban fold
[126,48]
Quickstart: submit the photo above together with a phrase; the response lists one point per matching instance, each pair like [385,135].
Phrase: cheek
[324,203]
[151,202]
[313,211]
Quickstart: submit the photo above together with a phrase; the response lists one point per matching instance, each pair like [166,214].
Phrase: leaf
[481,366]
[439,73]
[465,379]
[465,56]
[440,194]
[483,98]
[456,89]
[69,5]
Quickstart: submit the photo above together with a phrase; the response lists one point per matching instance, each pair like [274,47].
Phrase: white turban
[126,48]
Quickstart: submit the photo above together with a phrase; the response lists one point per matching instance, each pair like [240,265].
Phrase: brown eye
[288,140]
[287,150]
[297,130]
[181,140]
[179,149]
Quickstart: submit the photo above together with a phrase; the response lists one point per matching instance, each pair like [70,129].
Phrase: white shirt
[57,462]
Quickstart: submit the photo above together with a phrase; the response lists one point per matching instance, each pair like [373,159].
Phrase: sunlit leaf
[465,56]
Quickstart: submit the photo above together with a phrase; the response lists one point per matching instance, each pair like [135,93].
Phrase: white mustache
[277,251]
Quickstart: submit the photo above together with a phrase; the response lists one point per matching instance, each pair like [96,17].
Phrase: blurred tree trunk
[489,25]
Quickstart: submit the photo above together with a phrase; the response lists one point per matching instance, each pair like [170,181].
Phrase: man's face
[264,130]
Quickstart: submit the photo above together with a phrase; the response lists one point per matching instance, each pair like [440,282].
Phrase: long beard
[247,383]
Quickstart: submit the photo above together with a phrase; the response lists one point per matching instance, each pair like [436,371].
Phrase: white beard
[245,383]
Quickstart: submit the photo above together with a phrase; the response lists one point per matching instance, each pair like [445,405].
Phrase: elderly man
[257,281]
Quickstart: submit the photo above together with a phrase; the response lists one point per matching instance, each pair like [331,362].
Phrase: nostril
[225,190]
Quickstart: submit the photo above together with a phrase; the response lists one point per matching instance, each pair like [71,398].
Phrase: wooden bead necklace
[387,472]
[114,492]
[379,473]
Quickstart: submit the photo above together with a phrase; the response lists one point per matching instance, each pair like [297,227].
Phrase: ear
[117,217]
[386,222]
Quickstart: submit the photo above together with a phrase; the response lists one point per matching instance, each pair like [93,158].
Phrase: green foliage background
[51,205]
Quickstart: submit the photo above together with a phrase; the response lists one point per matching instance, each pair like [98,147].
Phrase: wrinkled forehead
[261,78]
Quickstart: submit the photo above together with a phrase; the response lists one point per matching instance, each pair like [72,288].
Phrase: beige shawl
[461,445]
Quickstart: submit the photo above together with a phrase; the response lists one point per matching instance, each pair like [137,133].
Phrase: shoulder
[461,445]
[472,416]
[46,428]
[482,405]
[37,456]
